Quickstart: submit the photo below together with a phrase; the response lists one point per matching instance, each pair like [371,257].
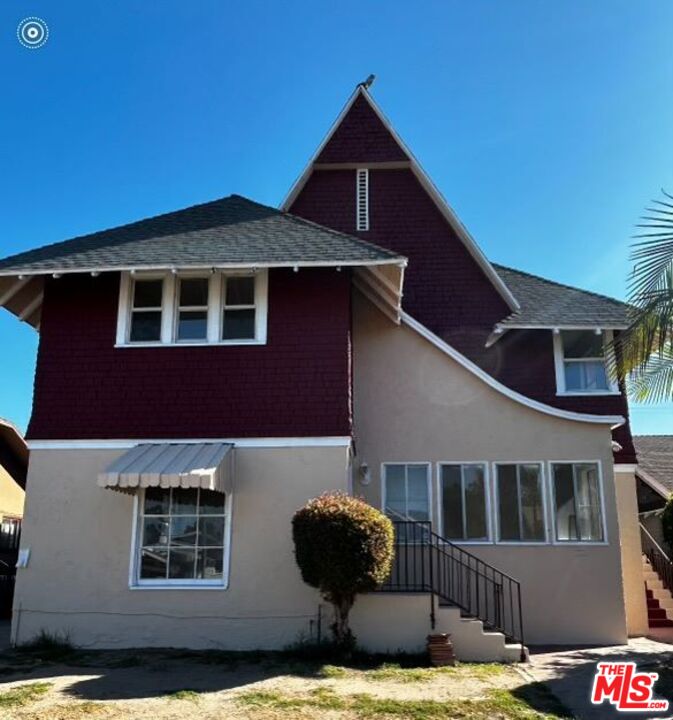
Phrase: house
[654,483]
[13,468]
[201,374]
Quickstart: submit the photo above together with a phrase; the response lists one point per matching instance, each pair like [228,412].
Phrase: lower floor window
[407,491]
[520,503]
[182,536]
[463,502]
[577,502]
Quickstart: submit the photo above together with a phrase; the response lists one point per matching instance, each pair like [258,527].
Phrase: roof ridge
[498,266]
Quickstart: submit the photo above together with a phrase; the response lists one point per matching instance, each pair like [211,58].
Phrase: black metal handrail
[427,562]
[658,558]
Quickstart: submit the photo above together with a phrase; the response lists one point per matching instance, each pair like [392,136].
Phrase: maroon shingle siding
[444,287]
[361,137]
[296,385]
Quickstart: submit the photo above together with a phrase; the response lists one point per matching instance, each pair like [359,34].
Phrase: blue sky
[548,126]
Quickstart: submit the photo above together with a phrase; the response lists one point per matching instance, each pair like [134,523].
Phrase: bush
[667,523]
[343,547]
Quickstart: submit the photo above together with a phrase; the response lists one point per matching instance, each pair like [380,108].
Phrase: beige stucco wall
[11,495]
[77,580]
[632,564]
[413,403]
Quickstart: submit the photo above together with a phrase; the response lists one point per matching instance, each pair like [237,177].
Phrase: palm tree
[644,352]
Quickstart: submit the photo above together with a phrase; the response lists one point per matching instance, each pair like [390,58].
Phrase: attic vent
[362,199]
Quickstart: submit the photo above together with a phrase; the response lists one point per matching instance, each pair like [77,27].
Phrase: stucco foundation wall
[79,534]
[412,403]
[632,564]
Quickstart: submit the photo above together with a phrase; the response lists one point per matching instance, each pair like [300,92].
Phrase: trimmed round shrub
[343,547]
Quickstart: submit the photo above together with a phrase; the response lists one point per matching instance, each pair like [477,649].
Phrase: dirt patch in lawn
[174,685]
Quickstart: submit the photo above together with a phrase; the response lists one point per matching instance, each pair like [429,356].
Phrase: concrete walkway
[569,675]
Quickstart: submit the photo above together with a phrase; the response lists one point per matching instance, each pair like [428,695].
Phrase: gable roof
[360,105]
[547,304]
[655,461]
[229,232]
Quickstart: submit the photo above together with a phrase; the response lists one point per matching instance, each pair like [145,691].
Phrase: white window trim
[559,360]
[487,491]
[362,213]
[552,490]
[135,583]
[170,307]
[428,473]
[545,504]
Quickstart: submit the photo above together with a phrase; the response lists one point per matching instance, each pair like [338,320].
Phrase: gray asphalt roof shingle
[232,230]
[545,303]
[655,457]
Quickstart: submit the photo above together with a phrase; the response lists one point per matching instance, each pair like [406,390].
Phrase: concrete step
[471,643]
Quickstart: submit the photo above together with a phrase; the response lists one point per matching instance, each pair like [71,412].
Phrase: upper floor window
[192,309]
[580,357]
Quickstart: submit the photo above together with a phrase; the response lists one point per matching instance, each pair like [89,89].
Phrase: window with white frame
[184,309]
[146,310]
[463,498]
[578,515]
[581,361]
[182,537]
[238,321]
[520,502]
[406,491]
[192,311]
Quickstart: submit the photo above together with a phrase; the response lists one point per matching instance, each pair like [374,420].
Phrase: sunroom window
[182,536]
[520,503]
[583,362]
[463,502]
[577,502]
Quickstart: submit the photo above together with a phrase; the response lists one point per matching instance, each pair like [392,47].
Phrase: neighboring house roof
[655,461]
[13,452]
[546,304]
[232,231]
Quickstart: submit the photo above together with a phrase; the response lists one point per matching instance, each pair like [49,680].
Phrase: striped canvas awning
[172,465]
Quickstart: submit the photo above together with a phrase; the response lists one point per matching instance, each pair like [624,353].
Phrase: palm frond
[654,381]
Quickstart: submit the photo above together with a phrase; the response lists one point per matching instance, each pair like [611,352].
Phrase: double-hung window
[578,513]
[182,537]
[520,505]
[239,309]
[146,310]
[192,312]
[192,309]
[581,362]
[463,498]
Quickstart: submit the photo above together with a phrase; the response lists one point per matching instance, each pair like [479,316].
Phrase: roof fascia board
[613,421]
[427,184]
[25,272]
[557,326]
